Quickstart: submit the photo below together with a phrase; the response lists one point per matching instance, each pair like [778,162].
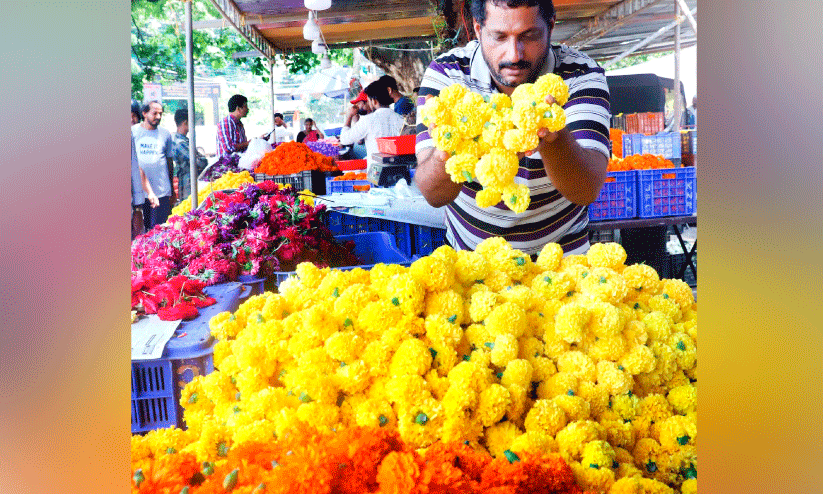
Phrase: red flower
[180,311]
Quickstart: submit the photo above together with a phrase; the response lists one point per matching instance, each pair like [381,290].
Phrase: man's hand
[432,179]
[153,200]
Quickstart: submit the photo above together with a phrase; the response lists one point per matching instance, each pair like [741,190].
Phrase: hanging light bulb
[325,61]
[317,4]
[318,47]
[311,31]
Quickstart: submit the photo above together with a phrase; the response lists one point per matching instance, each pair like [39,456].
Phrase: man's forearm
[432,179]
[577,173]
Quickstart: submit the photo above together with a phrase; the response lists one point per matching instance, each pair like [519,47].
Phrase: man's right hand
[431,177]
[153,200]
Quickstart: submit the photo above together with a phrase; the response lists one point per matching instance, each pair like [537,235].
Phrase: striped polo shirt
[550,216]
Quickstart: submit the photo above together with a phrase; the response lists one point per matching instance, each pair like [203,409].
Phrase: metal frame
[608,21]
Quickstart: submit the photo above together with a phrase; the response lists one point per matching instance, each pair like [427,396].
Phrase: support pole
[677,107]
[271,86]
[192,119]
[685,9]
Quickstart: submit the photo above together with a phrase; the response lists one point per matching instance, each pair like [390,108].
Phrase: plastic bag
[254,154]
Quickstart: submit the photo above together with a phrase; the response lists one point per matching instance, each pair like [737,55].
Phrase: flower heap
[580,355]
[324,147]
[484,137]
[226,164]
[229,180]
[293,157]
[173,299]
[639,162]
[255,230]
[357,460]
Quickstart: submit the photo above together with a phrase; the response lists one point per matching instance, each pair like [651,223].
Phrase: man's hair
[478,8]
[377,90]
[236,102]
[147,106]
[278,115]
[180,116]
[388,81]
[308,120]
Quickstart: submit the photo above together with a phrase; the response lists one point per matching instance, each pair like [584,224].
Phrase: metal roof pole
[685,9]
[271,86]
[660,32]
[192,119]
[676,89]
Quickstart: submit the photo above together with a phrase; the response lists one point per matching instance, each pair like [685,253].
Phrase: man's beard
[498,76]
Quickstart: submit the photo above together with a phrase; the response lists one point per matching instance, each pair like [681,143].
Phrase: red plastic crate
[397,145]
[351,165]
[644,123]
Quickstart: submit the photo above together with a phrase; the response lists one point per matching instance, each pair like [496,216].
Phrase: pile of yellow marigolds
[484,137]
[580,355]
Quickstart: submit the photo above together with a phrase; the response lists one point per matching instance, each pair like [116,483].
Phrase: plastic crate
[617,199]
[426,239]
[312,180]
[667,192]
[397,145]
[344,224]
[666,144]
[156,384]
[644,123]
[352,165]
[332,132]
[258,285]
[371,247]
[337,186]
[619,122]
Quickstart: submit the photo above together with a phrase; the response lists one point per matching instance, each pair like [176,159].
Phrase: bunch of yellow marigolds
[230,180]
[580,355]
[484,136]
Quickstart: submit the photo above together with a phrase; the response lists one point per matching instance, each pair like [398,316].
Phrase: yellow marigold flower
[616,381]
[635,333]
[570,322]
[640,277]
[353,377]
[495,129]
[251,380]
[550,256]
[572,260]
[420,424]
[507,318]
[446,137]
[352,300]
[222,349]
[275,308]
[605,319]
[218,387]
[534,441]
[520,140]
[499,437]
[446,303]
[140,449]
[500,102]
[546,416]
[253,304]
[552,285]
[476,147]
[497,168]
[560,383]
[543,368]
[646,455]
[593,479]
[518,372]
[575,407]
[469,117]
[608,348]
[380,274]
[680,292]
[504,350]
[492,404]
[225,326]
[658,326]
[574,437]
[412,357]
[319,415]
[606,255]
[213,443]
[159,441]
[595,395]
[680,379]
[552,118]
[605,284]
[229,365]
[489,246]
[524,92]
[470,267]
[310,275]
[453,94]
[516,197]
[477,335]
[661,303]
[405,292]
[436,112]
[376,316]
[619,433]
[469,374]
[460,167]
[530,348]
[677,431]
[577,363]
[552,84]
[640,359]
[458,400]
[684,350]
[260,431]
[598,453]
[345,347]
[441,331]
[432,273]
[683,399]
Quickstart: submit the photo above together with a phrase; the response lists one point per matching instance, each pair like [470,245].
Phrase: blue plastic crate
[372,248]
[332,132]
[337,186]
[257,284]
[617,199]
[666,144]
[427,239]
[156,384]
[667,192]
[344,224]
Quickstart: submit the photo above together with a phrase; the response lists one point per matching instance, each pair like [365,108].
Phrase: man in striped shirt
[566,171]
[231,136]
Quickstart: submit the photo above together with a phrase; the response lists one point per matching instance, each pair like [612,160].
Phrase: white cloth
[382,122]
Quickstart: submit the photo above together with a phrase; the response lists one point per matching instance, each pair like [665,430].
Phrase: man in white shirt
[281,132]
[382,122]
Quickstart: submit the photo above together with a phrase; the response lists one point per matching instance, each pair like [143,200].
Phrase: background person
[281,132]
[310,134]
[153,148]
[231,135]
[402,105]
[512,48]
[180,154]
[382,122]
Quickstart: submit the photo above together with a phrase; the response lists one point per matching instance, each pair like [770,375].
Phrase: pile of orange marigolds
[351,176]
[639,162]
[294,157]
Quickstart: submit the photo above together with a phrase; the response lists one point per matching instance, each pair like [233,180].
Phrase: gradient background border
[64,235]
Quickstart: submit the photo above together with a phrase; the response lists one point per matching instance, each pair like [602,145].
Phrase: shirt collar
[481,74]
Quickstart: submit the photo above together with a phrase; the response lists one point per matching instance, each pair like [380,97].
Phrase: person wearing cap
[382,122]
[361,103]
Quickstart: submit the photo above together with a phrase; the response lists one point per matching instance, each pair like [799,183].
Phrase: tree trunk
[407,67]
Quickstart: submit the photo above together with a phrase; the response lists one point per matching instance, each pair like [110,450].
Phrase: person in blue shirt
[402,105]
